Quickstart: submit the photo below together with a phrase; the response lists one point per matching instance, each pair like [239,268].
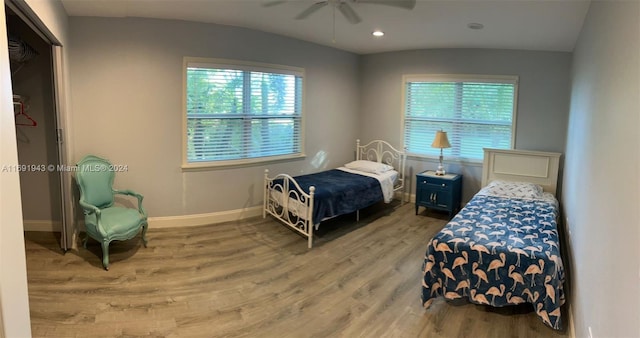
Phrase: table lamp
[441,141]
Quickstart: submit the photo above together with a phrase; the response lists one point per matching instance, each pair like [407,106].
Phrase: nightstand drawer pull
[443,184]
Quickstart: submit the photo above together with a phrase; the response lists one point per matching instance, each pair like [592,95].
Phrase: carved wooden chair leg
[105,255]
[144,234]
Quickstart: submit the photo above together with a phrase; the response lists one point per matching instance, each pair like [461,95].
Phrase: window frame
[217,63]
[506,79]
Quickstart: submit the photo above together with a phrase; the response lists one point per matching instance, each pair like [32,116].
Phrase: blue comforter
[339,192]
[498,251]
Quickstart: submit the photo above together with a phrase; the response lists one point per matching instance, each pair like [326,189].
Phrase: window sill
[210,166]
[465,162]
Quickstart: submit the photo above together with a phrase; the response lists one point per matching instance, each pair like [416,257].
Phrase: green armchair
[105,222]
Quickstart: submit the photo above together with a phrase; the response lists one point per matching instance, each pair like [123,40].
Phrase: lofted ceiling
[550,25]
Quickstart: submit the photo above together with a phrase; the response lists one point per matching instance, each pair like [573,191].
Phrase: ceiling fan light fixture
[378,33]
[344,6]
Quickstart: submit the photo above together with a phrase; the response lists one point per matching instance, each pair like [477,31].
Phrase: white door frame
[68,229]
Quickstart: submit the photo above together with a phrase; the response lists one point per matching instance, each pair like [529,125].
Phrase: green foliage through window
[476,114]
[237,114]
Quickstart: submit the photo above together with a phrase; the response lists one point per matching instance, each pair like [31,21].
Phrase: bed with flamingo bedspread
[501,249]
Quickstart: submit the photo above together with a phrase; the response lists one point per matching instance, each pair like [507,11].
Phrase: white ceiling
[550,25]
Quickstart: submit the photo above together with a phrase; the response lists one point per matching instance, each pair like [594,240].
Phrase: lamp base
[440,171]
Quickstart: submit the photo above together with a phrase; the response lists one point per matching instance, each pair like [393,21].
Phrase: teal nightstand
[438,192]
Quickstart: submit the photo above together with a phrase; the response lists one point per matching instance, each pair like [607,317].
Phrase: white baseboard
[204,219]
[161,222]
[404,196]
[42,225]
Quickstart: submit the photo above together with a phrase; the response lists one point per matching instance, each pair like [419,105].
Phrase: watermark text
[62,168]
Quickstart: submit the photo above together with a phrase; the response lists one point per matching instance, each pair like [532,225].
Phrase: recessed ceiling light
[378,33]
[475,25]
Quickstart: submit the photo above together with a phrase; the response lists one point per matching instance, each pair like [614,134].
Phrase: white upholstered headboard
[522,165]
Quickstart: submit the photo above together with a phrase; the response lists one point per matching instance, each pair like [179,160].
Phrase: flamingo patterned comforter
[499,251]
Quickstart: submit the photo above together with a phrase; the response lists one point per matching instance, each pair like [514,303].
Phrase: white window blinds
[236,113]
[476,113]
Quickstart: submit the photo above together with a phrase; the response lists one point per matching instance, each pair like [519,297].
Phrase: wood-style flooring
[256,278]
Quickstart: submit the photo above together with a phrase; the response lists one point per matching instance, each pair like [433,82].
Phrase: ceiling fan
[344,7]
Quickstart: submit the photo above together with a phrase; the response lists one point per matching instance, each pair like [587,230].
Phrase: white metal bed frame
[296,211]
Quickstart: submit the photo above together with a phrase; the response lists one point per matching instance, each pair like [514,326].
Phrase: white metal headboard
[382,152]
[522,165]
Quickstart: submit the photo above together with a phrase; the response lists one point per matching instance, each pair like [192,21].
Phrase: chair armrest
[91,209]
[136,195]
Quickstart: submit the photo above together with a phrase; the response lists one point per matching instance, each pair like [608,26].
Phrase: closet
[33,85]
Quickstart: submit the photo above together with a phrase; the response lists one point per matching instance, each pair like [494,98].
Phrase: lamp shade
[441,140]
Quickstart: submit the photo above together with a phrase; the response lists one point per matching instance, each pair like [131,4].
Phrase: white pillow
[512,189]
[369,166]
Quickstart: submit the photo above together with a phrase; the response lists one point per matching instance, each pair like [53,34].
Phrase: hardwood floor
[256,278]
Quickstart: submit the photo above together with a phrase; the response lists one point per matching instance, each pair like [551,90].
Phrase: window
[238,112]
[476,112]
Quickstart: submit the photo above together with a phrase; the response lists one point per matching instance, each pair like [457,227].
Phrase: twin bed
[305,201]
[503,247]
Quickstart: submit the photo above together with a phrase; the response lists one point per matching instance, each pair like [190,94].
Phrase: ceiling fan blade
[349,13]
[406,4]
[271,3]
[311,9]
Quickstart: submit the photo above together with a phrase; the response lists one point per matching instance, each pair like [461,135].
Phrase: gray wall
[131,70]
[543,97]
[126,98]
[601,183]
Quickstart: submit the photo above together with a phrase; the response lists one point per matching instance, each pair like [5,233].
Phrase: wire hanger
[22,118]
